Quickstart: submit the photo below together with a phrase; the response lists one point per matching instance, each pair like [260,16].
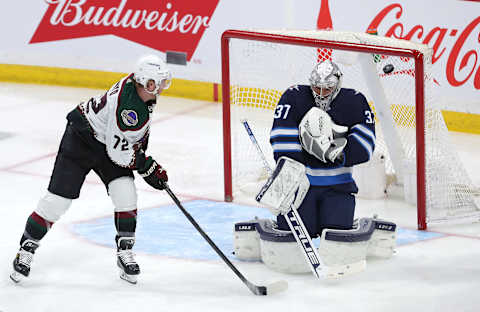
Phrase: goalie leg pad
[279,249]
[259,239]
[384,239]
[286,188]
[344,252]
[246,241]
[284,257]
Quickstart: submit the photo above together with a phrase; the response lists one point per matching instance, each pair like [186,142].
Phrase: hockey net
[259,66]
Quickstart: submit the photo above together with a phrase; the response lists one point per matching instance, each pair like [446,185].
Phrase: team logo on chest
[129,117]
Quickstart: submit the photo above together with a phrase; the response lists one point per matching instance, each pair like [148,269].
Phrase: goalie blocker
[344,252]
[286,188]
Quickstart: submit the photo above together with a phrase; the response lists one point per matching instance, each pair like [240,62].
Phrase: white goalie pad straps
[286,188]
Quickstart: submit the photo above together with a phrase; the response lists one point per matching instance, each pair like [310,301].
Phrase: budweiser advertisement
[108,34]
[174,25]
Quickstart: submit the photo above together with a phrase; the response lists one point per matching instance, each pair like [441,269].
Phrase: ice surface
[74,268]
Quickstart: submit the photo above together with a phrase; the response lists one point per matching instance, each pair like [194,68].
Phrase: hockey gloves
[151,171]
[335,151]
[320,136]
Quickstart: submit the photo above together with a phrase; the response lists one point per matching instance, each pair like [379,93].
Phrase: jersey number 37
[281,111]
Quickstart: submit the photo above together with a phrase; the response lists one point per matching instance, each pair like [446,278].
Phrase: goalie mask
[152,68]
[325,82]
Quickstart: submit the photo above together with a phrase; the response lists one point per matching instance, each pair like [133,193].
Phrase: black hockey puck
[387,69]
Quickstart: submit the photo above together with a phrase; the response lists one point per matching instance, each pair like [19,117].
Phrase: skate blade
[132,279]
[16,277]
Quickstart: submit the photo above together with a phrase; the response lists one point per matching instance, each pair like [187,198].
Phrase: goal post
[258,66]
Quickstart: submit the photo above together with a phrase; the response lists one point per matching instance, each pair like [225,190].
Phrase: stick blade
[270,289]
[276,287]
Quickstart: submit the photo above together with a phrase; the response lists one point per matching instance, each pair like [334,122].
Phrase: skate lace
[25,257]
[127,256]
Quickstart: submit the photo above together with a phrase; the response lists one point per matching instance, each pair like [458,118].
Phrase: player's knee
[51,207]
[123,193]
[337,213]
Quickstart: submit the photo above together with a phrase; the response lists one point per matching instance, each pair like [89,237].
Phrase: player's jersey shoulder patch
[129,117]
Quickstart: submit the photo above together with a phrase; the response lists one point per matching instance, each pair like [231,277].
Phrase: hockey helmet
[325,82]
[151,67]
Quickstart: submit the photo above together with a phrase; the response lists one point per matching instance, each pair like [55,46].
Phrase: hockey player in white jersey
[109,135]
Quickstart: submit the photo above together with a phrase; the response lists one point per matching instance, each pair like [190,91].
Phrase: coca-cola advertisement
[106,35]
[456,47]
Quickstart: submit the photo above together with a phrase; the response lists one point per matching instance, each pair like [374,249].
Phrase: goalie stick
[294,221]
[257,290]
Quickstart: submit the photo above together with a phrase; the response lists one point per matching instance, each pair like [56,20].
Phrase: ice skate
[129,268]
[23,260]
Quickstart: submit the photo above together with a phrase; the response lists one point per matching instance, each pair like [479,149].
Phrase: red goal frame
[317,43]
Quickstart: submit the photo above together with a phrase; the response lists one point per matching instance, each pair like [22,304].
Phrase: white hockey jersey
[120,119]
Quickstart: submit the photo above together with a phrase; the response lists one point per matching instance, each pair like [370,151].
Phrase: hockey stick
[257,146]
[257,290]
[294,221]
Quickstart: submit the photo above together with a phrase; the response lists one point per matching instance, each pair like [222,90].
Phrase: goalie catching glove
[151,171]
[320,136]
[286,188]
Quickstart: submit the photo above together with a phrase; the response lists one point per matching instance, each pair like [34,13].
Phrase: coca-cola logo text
[173,25]
[461,65]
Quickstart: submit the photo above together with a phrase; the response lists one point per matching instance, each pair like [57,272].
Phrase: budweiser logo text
[173,25]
